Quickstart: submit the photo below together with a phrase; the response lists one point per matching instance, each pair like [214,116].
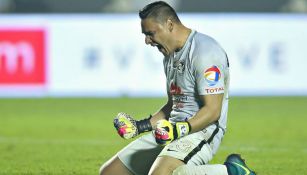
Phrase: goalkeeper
[183,136]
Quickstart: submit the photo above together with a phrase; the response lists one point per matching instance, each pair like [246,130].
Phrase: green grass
[75,136]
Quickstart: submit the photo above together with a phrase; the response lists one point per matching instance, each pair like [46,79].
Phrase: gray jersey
[199,68]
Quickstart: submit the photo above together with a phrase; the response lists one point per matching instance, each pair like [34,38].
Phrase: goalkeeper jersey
[200,68]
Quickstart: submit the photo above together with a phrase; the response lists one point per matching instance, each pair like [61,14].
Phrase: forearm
[208,114]
[203,118]
[163,113]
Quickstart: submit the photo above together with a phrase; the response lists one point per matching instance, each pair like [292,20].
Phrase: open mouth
[160,47]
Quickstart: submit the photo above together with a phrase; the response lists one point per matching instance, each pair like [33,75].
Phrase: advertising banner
[22,57]
[106,55]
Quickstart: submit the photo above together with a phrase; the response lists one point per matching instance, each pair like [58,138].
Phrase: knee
[114,166]
[157,172]
[107,168]
[180,171]
[103,169]
[161,171]
[165,165]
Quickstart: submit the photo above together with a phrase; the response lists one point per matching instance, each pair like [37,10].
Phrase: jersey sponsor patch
[174,89]
[214,90]
[212,75]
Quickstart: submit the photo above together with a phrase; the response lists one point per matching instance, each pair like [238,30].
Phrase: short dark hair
[159,10]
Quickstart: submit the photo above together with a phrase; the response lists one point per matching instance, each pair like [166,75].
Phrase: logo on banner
[22,56]
[212,75]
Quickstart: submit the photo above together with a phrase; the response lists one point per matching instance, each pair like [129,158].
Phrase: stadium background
[68,67]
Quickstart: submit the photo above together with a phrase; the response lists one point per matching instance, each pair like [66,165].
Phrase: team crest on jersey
[212,75]
[179,66]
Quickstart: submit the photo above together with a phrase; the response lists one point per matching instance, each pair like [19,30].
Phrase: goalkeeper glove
[167,132]
[127,127]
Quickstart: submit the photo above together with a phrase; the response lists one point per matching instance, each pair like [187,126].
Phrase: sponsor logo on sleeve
[212,75]
[214,90]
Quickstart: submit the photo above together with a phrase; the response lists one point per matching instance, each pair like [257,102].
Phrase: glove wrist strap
[144,125]
[181,129]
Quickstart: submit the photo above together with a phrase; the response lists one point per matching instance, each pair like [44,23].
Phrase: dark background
[127,6]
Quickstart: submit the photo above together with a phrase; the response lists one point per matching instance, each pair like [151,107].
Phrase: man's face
[157,35]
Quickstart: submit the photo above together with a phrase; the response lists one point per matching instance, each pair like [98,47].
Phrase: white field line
[277,149]
[17,140]
[57,141]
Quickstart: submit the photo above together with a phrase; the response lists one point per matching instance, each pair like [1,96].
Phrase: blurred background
[95,47]
[119,6]
[89,51]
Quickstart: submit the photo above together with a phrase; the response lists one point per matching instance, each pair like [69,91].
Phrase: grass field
[75,136]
